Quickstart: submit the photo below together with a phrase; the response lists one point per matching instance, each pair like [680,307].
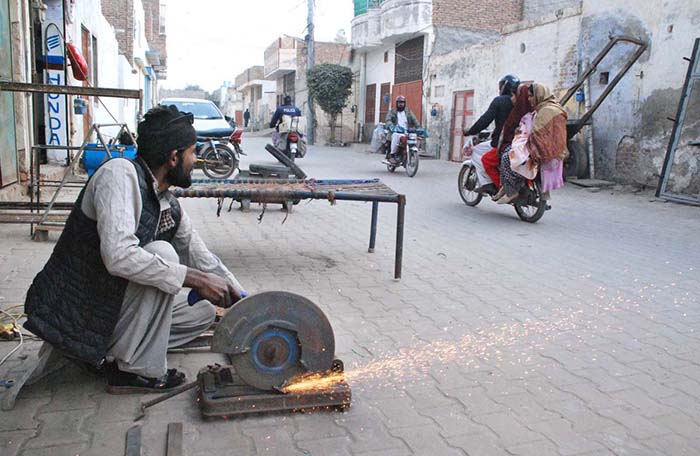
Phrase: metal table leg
[398,257]
[373,227]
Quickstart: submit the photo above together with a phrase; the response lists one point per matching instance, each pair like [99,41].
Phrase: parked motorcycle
[407,152]
[219,157]
[530,205]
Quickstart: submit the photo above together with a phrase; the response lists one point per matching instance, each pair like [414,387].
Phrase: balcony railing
[361,6]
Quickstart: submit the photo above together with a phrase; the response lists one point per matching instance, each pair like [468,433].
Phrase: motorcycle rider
[401,117]
[286,109]
[497,112]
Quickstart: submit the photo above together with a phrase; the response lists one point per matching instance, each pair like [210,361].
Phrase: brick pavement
[573,336]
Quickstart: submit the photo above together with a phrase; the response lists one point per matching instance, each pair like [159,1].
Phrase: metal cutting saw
[272,339]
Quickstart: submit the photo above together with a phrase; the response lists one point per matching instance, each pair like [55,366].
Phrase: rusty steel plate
[273,336]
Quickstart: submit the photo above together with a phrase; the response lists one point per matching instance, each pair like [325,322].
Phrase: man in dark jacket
[498,112]
[107,295]
[400,118]
[246,118]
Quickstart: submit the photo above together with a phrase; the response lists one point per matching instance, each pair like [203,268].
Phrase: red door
[370,104]
[413,91]
[239,118]
[462,116]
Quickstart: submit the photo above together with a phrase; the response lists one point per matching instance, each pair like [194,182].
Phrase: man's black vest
[74,303]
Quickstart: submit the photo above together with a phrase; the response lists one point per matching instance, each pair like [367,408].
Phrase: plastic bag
[378,138]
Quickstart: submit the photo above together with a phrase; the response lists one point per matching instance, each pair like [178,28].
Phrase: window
[161,19]
[386,57]
[604,76]
[440,91]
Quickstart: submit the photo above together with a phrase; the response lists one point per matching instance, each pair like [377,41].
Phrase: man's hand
[213,288]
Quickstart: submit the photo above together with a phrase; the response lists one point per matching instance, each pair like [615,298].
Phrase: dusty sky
[211,41]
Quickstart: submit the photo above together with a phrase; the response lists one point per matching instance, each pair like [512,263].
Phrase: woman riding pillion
[541,144]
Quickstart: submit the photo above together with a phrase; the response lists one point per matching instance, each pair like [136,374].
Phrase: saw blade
[274,336]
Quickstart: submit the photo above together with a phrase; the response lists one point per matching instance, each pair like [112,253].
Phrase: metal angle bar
[680,116]
[680,199]
[594,65]
[10,86]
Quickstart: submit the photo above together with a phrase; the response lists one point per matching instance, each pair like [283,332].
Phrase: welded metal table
[284,191]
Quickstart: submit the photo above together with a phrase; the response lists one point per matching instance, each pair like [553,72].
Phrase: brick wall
[156,40]
[409,61]
[120,13]
[477,14]
[534,9]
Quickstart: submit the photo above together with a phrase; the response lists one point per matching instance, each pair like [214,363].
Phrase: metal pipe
[373,227]
[398,256]
[10,86]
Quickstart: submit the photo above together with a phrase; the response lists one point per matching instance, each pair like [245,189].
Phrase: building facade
[258,95]
[395,41]
[33,41]
[629,133]
[286,63]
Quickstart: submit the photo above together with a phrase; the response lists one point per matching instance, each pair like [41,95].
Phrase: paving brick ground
[573,336]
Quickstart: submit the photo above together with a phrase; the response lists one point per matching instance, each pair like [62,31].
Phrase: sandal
[120,382]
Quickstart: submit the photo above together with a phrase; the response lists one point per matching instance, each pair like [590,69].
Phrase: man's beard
[178,176]
[400,108]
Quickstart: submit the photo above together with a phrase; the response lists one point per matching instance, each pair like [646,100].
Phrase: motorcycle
[219,157]
[291,140]
[531,203]
[407,152]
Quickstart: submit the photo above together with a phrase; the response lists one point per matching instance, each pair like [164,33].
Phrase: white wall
[630,129]
[380,72]
[113,70]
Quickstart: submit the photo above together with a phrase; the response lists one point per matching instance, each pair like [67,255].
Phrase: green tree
[330,86]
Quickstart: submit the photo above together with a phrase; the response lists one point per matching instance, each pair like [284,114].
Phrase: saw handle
[194,297]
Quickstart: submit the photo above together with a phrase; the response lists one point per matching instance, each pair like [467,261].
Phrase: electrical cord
[21,336]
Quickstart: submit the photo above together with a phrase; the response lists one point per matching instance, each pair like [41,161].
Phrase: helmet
[508,85]
[400,99]
[287,99]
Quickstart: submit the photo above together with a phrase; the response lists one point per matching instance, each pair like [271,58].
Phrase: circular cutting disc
[274,336]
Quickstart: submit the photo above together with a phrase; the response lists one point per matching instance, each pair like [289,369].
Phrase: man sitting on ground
[107,295]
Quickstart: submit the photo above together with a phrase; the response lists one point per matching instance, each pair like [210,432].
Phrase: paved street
[573,336]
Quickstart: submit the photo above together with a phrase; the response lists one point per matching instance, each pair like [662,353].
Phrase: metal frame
[282,195]
[691,76]
[35,183]
[35,180]
[574,127]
